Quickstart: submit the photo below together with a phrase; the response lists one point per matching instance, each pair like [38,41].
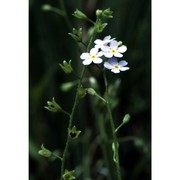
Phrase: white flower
[100,43]
[113,50]
[116,66]
[93,56]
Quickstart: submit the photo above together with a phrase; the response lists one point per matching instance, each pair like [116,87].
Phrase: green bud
[69,175]
[80,15]
[66,67]
[53,106]
[76,34]
[68,86]
[81,92]
[91,91]
[126,118]
[107,13]
[98,12]
[93,83]
[44,152]
[46,7]
[99,26]
[120,43]
[73,133]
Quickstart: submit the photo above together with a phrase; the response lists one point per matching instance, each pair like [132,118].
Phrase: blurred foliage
[49,45]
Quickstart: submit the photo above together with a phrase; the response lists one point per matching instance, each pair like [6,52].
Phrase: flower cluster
[109,48]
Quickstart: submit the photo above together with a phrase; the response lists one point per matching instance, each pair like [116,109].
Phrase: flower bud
[69,175]
[107,13]
[46,7]
[66,67]
[73,133]
[126,118]
[98,12]
[53,106]
[93,83]
[44,152]
[91,91]
[80,15]
[120,43]
[67,86]
[76,34]
[99,26]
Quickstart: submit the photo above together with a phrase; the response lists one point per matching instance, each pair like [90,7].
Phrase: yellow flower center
[113,51]
[116,66]
[93,57]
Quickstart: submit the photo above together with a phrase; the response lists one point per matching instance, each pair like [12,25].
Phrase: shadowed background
[49,45]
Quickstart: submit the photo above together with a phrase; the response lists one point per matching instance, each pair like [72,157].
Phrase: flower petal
[124,68]
[93,51]
[107,38]
[122,49]
[123,63]
[108,65]
[97,61]
[84,56]
[87,61]
[115,70]
[108,55]
[98,41]
[105,48]
[99,54]
[113,61]
[117,54]
[114,44]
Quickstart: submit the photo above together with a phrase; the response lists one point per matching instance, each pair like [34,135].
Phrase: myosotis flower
[93,56]
[113,50]
[116,66]
[100,43]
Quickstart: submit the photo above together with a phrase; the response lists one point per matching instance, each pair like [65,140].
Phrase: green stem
[63,111]
[55,155]
[104,146]
[74,105]
[70,123]
[58,11]
[65,14]
[91,21]
[112,128]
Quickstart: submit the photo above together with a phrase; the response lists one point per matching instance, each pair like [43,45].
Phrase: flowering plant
[106,54]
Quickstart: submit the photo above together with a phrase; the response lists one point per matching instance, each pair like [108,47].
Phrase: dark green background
[49,45]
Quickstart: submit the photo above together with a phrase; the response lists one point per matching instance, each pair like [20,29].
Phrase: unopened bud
[46,7]
[107,13]
[126,118]
[80,15]
[44,152]
[98,12]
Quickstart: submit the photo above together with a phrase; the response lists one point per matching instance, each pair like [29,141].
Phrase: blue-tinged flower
[93,56]
[116,66]
[100,43]
[113,49]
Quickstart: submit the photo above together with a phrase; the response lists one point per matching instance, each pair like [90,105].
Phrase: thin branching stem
[73,112]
